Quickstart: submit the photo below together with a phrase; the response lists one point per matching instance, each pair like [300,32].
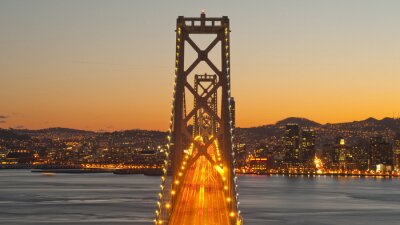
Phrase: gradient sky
[109,64]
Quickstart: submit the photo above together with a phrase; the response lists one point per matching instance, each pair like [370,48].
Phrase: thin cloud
[114,64]
[3,119]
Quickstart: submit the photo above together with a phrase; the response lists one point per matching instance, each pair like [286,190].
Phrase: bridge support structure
[212,126]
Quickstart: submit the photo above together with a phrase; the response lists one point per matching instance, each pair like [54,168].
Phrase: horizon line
[143,129]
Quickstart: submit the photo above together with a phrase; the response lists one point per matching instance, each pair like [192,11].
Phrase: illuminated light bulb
[183,167]
[173,192]
[168,206]
[180,174]
[224,179]
[232,214]
[226,187]
[228,199]
[177,182]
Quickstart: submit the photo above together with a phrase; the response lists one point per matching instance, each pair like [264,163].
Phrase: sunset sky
[110,64]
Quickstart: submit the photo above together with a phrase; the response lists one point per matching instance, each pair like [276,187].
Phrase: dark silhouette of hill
[63,130]
[55,131]
[256,132]
[11,134]
[303,122]
[369,124]
[138,133]
[374,124]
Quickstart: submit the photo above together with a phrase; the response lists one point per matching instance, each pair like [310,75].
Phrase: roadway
[202,199]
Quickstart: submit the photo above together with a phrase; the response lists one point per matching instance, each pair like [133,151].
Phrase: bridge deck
[202,199]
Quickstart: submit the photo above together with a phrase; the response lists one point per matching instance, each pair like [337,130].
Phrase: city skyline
[281,122]
[94,67]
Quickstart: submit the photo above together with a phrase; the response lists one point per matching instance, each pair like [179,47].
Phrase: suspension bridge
[198,183]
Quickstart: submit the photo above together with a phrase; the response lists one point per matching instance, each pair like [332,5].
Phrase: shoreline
[158,172]
[322,174]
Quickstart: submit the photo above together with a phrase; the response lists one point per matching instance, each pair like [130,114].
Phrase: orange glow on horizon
[89,72]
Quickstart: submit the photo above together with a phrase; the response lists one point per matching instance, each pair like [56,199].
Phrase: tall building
[396,155]
[307,147]
[292,144]
[232,105]
[380,153]
[360,155]
[341,157]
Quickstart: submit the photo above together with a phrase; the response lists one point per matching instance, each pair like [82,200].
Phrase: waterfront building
[307,148]
[292,145]
[380,152]
[257,164]
[396,155]
[233,110]
[341,158]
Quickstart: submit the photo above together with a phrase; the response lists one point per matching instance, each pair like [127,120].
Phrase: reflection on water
[34,198]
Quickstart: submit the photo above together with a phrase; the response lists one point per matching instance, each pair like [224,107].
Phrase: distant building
[233,106]
[257,164]
[307,147]
[341,157]
[20,156]
[380,152]
[360,156]
[396,155]
[292,144]
[240,154]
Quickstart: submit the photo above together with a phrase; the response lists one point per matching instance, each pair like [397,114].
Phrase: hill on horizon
[303,122]
[392,123]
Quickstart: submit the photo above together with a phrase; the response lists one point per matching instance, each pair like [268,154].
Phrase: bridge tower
[204,131]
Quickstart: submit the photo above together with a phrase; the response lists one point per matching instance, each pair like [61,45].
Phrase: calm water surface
[88,199]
